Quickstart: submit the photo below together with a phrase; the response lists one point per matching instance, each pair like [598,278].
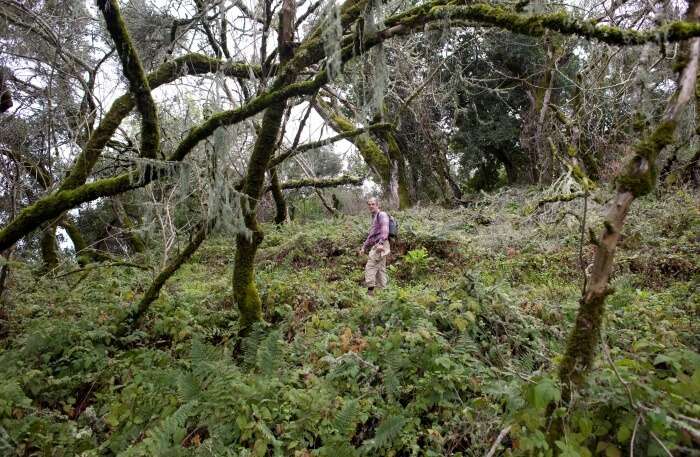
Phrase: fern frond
[188,387]
[168,434]
[251,344]
[339,449]
[465,345]
[202,354]
[346,420]
[393,362]
[389,429]
[270,353]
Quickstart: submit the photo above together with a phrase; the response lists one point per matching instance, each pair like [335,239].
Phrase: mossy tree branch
[370,151]
[54,204]
[321,183]
[325,142]
[311,51]
[636,180]
[133,70]
[537,24]
[190,64]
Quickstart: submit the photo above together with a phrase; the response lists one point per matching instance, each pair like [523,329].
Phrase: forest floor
[459,352]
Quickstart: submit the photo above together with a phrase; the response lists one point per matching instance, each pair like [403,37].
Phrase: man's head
[373,205]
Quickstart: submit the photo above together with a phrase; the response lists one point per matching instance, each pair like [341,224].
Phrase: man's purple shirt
[379,231]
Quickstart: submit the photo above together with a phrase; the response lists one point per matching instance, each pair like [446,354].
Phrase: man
[377,247]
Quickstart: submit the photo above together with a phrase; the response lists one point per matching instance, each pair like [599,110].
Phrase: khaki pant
[375,269]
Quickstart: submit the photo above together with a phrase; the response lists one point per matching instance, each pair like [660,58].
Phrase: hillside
[457,355]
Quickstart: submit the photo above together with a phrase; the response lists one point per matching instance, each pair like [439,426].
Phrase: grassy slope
[463,343]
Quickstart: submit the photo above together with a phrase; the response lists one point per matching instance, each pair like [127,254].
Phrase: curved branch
[190,64]
[133,70]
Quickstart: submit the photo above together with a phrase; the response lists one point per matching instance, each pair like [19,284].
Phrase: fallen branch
[561,198]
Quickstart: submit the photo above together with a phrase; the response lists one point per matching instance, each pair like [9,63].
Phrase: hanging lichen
[332,35]
[225,204]
[375,74]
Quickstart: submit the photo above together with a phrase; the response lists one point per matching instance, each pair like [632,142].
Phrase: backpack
[393,227]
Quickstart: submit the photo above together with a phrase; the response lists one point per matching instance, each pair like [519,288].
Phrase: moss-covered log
[561,198]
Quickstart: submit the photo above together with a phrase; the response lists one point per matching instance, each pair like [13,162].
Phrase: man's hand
[361,251]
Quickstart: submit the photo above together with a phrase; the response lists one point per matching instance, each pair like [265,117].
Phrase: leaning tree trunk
[134,318]
[637,179]
[245,292]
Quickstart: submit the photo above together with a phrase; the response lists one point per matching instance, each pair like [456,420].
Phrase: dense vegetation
[462,345]
[180,214]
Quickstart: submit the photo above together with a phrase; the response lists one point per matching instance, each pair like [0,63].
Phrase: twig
[606,351]
[634,434]
[653,435]
[500,437]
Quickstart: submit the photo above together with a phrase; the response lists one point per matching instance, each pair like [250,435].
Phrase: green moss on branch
[536,24]
[322,183]
[639,175]
[190,64]
[133,70]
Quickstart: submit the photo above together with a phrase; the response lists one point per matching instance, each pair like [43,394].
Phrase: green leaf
[545,392]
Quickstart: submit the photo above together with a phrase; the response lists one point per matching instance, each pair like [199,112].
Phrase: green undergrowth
[462,345]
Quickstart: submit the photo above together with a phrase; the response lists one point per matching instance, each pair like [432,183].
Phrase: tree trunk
[49,249]
[398,175]
[83,253]
[137,244]
[245,293]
